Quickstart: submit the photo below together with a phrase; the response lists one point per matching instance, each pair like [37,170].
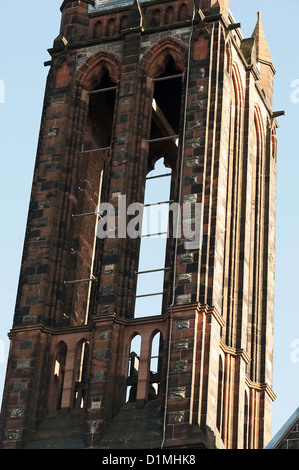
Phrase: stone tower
[130,333]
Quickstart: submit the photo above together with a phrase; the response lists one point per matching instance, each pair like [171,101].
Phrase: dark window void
[101,112]
[167,103]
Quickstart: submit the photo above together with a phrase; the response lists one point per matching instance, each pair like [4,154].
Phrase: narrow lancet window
[163,153]
[133,369]
[150,281]
[59,371]
[82,358]
[155,367]
[92,182]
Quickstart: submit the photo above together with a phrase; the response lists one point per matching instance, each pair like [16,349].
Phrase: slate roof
[284,432]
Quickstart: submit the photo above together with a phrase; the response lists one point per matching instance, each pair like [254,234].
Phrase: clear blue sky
[26,32]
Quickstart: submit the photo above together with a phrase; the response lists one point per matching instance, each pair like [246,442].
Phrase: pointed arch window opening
[104,96]
[154,360]
[133,369]
[166,104]
[102,99]
[59,372]
[151,269]
[155,367]
[81,375]
[96,146]
[163,151]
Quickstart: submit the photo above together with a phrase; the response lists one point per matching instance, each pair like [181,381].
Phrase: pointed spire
[262,50]
[264,60]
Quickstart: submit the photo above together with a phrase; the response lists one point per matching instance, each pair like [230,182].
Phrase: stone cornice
[261,387]
[235,352]
[41,327]
[205,309]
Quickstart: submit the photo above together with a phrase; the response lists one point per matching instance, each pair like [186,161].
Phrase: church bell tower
[144,313]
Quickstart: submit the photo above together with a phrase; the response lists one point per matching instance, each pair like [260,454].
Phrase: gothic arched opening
[133,369]
[59,371]
[155,367]
[81,373]
[153,278]
[93,180]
